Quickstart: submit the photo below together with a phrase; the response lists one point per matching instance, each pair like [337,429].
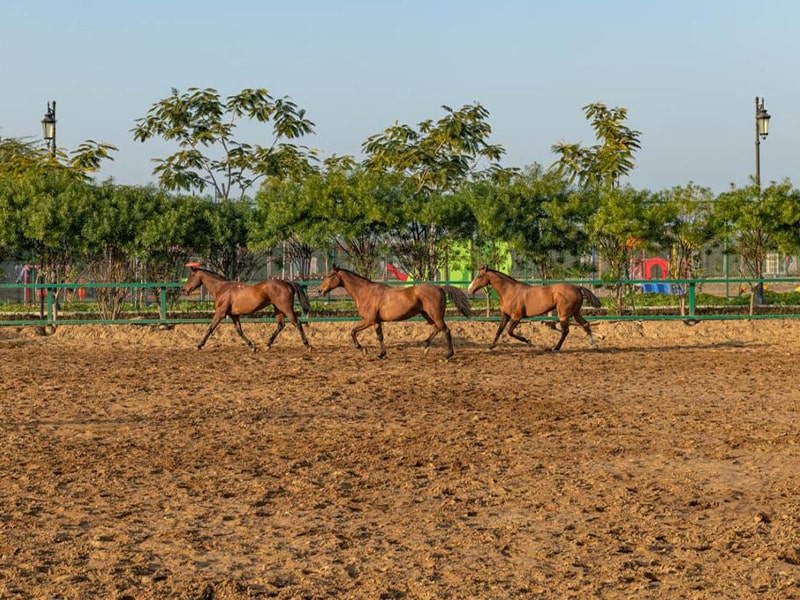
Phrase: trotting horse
[234,299]
[519,300]
[378,302]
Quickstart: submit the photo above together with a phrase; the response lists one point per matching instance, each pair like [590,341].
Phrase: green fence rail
[163,303]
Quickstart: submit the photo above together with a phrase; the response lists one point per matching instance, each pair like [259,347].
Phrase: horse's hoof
[381,356]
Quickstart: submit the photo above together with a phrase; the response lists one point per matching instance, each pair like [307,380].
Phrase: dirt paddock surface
[664,464]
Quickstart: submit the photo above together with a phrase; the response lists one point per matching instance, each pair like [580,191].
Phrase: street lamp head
[49,123]
[762,119]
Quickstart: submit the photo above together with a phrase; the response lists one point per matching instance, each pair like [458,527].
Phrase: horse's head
[194,280]
[481,280]
[331,281]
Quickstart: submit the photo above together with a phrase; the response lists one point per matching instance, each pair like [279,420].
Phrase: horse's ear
[335,267]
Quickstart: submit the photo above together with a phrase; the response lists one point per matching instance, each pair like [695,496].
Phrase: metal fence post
[162,309]
[50,312]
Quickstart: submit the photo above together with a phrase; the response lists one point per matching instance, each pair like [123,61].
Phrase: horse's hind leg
[433,334]
[585,324]
[437,327]
[512,332]
[296,322]
[449,339]
[238,324]
[440,325]
[280,325]
[379,334]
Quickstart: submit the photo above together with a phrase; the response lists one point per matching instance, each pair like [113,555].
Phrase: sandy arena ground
[664,464]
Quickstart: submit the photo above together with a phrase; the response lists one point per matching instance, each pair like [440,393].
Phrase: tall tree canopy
[605,163]
[204,126]
[437,156]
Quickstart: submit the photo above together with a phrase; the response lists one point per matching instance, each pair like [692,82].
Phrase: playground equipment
[655,268]
[396,272]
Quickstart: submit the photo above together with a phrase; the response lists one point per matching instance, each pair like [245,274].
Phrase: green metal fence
[162,304]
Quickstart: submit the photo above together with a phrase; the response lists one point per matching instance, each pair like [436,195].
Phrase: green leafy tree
[179,231]
[357,210]
[226,248]
[28,172]
[757,222]
[538,213]
[786,225]
[689,229]
[599,170]
[436,157]
[210,156]
[624,220]
[15,154]
[42,217]
[18,156]
[287,217]
[605,163]
[110,234]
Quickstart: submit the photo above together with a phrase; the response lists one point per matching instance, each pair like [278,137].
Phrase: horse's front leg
[215,320]
[500,327]
[512,332]
[238,324]
[278,329]
[354,333]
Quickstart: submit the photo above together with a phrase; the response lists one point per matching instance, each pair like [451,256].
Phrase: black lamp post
[49,134]
[49,127]
[762,131]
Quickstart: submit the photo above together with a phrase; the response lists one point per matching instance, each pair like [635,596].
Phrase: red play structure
[396,272]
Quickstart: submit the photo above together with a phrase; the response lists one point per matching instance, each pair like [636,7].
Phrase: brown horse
[519,300]
[379,302]
[234,299]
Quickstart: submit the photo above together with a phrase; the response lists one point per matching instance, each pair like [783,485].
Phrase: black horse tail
[588,295]
[302,297]
[459,298]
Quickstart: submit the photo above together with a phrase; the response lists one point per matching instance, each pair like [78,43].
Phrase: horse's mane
[501,275]
[212,273]
[354,274]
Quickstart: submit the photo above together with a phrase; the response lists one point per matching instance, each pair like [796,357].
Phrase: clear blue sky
[687,71]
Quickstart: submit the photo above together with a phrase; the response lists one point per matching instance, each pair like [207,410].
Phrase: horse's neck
[212,282]
[354,284]
[499,281]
